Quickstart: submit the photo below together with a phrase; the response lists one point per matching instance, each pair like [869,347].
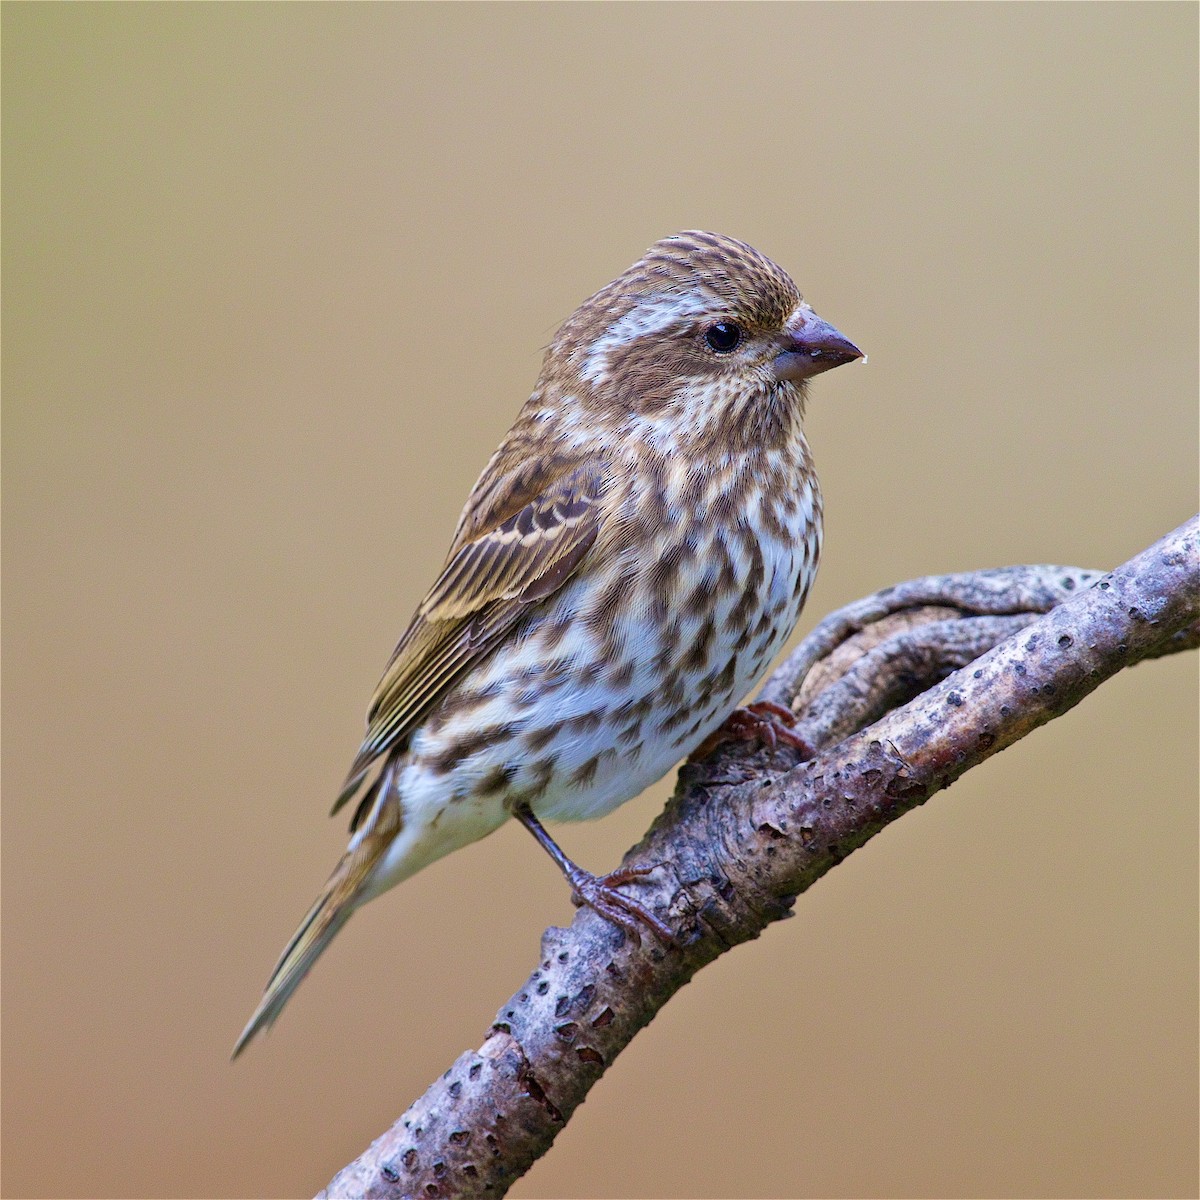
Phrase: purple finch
[632,557]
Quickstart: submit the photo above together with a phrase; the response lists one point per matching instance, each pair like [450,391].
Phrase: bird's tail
[338,899]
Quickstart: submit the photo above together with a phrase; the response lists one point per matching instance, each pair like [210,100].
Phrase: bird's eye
[723,337]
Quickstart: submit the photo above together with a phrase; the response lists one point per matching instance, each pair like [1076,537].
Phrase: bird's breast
[639,657]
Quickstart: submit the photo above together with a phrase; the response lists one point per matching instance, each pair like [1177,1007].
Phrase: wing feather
[488,583]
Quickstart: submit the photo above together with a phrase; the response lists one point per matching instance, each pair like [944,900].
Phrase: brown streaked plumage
[632,557]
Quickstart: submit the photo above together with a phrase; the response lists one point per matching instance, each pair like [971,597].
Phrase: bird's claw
[763,722]
[599,893]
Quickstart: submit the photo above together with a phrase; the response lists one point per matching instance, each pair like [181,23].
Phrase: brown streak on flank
[552,633]
[697,656]
[602,615]
[673,720]
[496,780]
[748,600]
[630,734]
[536,740]
[700,602]
[666,656]
[586,773]
[468,746]
[541,775]
[542,686]
[586,722]
[721,681]
[764,626]
[459,702]
[727,581]
[634,710]
[672,691]
[662,579]
[620,674]
[741,611]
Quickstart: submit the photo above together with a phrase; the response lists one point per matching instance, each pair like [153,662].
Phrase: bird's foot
[599,893]
[762,722]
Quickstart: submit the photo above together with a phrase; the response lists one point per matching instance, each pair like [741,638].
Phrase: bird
[633,556]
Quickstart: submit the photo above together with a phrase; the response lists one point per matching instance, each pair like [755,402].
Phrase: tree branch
[899,693]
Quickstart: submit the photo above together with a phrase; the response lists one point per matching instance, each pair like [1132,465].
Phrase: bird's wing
[525,549]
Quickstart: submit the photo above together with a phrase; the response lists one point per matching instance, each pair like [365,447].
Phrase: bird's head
[702,328]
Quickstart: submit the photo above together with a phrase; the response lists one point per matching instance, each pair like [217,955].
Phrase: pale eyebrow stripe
[652,315]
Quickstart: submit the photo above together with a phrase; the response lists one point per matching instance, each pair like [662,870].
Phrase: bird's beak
[809,346]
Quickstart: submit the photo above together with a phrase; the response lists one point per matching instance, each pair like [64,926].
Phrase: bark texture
[899,694]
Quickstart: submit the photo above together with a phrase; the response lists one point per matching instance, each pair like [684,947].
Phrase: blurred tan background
[277,279]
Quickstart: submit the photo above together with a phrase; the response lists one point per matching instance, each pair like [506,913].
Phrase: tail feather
[354,782]
[338,899]
[324,920]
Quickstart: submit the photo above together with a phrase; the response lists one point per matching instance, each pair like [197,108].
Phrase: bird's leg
[762,722]
[599,893]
